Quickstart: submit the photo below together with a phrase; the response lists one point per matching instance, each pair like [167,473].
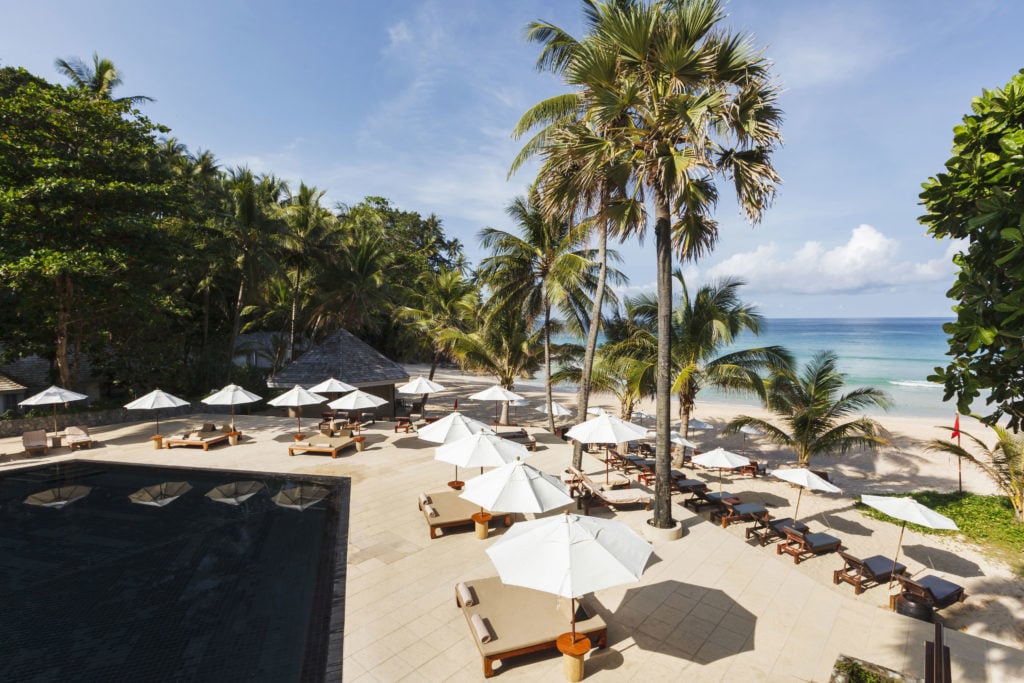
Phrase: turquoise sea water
[892,354]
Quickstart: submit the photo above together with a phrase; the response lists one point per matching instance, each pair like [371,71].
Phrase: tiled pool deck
[709,607]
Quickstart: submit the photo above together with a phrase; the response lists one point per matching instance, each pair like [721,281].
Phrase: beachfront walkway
[709,606]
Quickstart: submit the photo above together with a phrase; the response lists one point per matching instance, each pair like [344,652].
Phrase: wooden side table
[573,651]
[482,520]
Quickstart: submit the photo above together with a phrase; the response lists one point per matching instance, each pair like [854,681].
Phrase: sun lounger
[865,573]
[644,469]
[445,509]
[589,492]
[522,437]
[753,469]
[932,590]
[701,498]
[798,544]
[34,442]
[573,478]
[203,437]
[519,620]
[686,486]
[738,512]
[332,446]
[766,529]
[78,437]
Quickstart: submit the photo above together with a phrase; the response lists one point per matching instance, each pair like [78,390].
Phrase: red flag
[956,428]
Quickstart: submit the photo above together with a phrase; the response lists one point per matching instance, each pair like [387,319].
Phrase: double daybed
[202,437]
[445,509]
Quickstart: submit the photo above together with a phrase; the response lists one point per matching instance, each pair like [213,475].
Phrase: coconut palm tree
[543,267]
[444,300]
[99,79]
[697,105]
[353,291]
[1002,462]
[812,409]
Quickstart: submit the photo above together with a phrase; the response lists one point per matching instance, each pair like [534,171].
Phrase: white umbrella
[357,400]
[420,385]
[517,487]
[53,395]
[699,425]
[722,459]
[570,555]
[58,497]
[497,394]
[673,437]
[805,479]
[485,449]
[597,410]
[557,409]
[161,494]
[300,497]
[231,395]
[296,397]
[452,427]
[155,400]
[235,492]
[907,509]
[606,429]
[641,415]
[332,386]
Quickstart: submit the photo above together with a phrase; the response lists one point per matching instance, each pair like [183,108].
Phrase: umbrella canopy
[231,395]
[673,437]
[557,409]
[452,427]
[161,494]
[485,449]
[496,393]
[570,555]
[58,497]
[907,509]
[357,400]
[597,410]
[699,425]
[235,492]
[52,395]
[300,497]
[606,429]
[805,479]
[332,386]
[420,385]
[296,397]
[641,415]
[517,487]
[722,459]
[155,400]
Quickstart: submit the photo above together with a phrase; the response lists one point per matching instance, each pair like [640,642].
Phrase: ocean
[895,355]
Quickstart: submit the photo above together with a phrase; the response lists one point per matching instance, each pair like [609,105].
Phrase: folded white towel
[480,629]
[465,595]
[430,510]
[425,500]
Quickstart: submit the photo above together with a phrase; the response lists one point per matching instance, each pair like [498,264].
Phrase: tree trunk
[663,460]
[433,364]
[503,419]
[547,365]
[685,406]
[583,397]
[237,323]
[295,313]
[64,291]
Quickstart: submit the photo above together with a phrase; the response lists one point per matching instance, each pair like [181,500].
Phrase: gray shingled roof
[7,384]
[342,356]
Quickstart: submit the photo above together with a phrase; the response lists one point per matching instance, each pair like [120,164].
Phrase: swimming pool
[118,572]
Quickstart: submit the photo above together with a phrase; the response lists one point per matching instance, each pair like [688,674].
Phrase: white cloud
[868,261]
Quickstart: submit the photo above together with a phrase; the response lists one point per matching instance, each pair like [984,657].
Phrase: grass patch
[987,521]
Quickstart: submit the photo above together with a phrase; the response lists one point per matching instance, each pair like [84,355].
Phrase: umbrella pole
[54,418]
[158,421]
[232,417]
[797,509]
[892,574]
[572,606]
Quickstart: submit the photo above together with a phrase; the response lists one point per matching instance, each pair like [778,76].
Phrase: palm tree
[702,328]
[99,79]
[1003,462]
[627,379]
[543,267]
[503,344]
[812,411]
[353,291]
[444,300]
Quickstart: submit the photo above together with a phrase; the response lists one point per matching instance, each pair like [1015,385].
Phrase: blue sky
[415,101]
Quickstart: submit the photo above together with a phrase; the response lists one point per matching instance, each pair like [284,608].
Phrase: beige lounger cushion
[450,508]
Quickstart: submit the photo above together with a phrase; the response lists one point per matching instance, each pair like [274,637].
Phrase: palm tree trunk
[663,461]
[684,425]
[547,365]
[295,313]
[237,324]
[433,364]
[64,291]
[583,397]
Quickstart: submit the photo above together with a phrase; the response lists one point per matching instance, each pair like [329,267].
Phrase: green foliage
[1003,462]
[855,672]
[980,198]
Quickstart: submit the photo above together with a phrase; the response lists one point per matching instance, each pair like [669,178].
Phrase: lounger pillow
[480,629]
[425,500]
[465,595]
[430,510]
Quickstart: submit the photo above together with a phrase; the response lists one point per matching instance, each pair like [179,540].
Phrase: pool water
[104,588]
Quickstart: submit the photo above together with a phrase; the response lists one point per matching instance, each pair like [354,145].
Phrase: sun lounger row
[587,492]
[875,570]
[75,437]
[521,437]
[445,509]
[506,621]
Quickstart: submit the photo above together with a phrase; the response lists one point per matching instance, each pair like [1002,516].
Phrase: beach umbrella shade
[641,415]
[805,479]
[296,397]
[673,437]
[231,395]
[606,428]
[357,400]
[597,410]
[300,497]
[570,556]
[906,509]
[497,394]
[155,400]
[58,497]
[699,425]
[332,386]
[235,492]
[557,409]
[52,396]
[722,459]
[485,449]
[420,385]
[159,495]
[452,427]
[749,430]
[517,487]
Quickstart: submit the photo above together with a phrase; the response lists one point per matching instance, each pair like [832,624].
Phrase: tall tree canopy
[980,198]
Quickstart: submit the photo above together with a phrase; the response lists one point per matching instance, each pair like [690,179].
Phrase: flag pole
[959,460]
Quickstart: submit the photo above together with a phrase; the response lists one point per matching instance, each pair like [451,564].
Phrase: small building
[11,393]
[344,356]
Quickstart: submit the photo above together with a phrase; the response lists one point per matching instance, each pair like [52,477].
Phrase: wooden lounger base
[333,451]
[205,444]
